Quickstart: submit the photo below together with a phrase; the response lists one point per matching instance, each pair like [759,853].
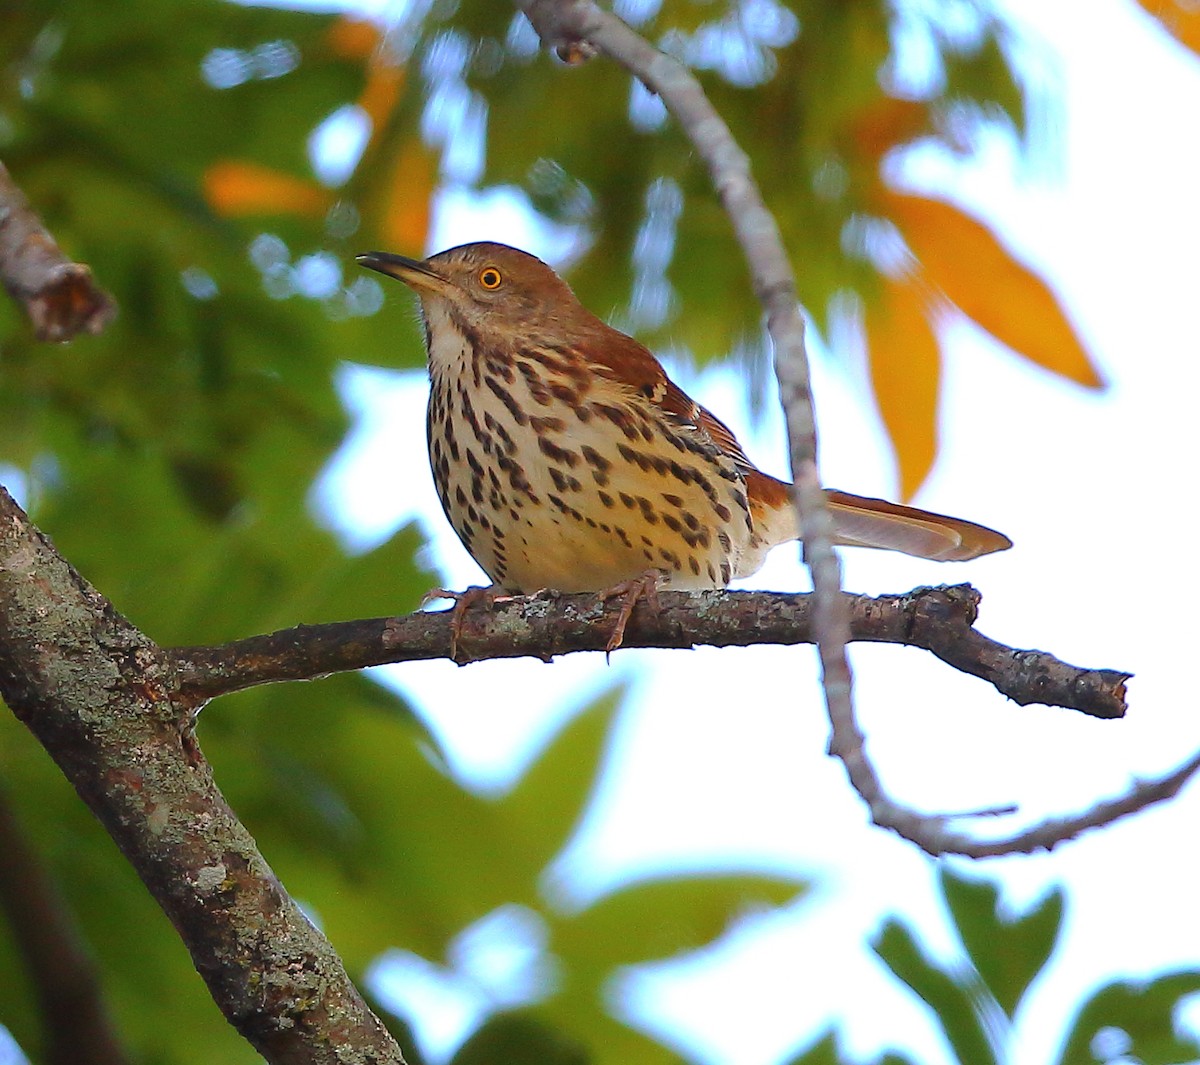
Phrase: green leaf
[822,1052]
[667,915]
[1144,1012]
[359,821]
[1007,952]
[384,581]
[519,1039]
[550,799]
[580,1015]
[943,992]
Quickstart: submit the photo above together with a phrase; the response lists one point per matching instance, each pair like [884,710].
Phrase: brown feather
[867,522]
[625,359]
[863,521]
[859,521]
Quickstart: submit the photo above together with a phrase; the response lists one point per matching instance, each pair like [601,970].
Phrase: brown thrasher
[565,457]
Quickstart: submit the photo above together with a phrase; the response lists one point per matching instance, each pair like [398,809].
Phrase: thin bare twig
[1049,833]
[577,29]
[60,297]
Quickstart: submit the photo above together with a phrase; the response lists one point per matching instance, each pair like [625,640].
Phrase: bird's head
[483,285]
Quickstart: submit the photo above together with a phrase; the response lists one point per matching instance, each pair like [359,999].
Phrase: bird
[565,458]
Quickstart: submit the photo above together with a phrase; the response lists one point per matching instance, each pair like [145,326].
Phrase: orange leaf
[906,370]
[1181,18]
[381,92]
[967,261]
[885,123]
[414,178]
[234,189]
[353,38]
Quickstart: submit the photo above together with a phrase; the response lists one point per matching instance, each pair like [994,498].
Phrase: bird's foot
[630,591]
[463,601]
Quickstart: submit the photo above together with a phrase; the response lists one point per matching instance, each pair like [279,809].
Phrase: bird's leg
[463,601]
[645,587]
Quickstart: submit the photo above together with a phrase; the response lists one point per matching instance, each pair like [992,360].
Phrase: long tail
[865,522]
[861,521]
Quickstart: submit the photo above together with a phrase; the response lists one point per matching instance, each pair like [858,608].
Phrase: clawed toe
[644,586]
[463,601]
[630,591]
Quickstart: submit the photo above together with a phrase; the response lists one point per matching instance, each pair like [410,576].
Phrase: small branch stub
[60,297]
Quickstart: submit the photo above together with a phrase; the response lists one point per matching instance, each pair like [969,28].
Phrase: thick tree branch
[940,620]
[577,28]
[60,297]
[99,696]
[77,1029]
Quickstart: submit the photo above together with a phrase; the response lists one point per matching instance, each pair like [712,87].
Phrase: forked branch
[98,695]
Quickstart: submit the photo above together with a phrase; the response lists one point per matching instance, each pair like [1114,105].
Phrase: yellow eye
[489,278]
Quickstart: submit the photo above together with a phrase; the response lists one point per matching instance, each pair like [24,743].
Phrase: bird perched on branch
[565,457]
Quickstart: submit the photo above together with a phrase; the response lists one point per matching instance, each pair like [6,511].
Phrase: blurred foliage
[173,146]
[158,160]
[979,998]
[386,850]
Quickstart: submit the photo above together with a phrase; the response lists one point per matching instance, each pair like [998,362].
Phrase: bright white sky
[1096,491]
